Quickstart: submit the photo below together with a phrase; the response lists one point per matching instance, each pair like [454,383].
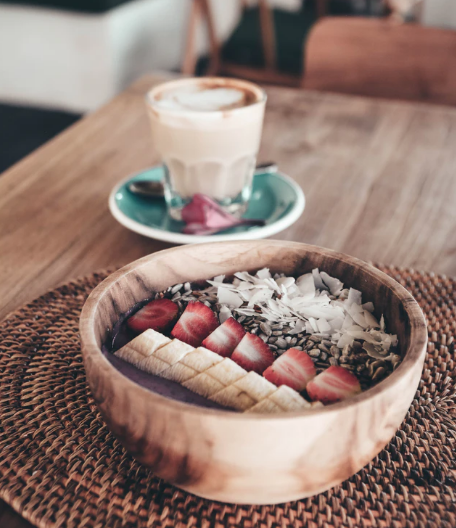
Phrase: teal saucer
[276,199]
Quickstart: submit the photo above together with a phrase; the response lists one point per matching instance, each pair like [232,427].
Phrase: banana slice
[210,375]
[215,378]
[288,399]
[165,357]
[142,347]
[265,406]
[201,359]
[179,373]
[245,392]
[191,364]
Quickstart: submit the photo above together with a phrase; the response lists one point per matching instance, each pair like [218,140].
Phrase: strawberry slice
[294,368]
[195,324]
[333,385]
[160,315]
[225,338]
[252,353]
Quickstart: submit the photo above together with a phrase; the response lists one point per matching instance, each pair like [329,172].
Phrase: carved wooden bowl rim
[415,349]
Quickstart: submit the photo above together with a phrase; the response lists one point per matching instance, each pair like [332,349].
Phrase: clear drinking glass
[206,150]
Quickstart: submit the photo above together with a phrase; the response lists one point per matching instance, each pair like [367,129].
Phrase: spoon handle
[154,189]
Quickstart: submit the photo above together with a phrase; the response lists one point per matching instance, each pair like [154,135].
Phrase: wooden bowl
[246,458]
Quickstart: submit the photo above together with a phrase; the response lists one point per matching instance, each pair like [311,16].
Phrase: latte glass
[206,146]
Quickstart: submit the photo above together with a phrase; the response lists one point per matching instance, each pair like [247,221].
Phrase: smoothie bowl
[273,433]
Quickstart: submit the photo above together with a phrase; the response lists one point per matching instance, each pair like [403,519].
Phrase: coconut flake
[370,319]
[260,296]
[306,286]
[313,324]
[360,319]
[264,274]
[335,285]
[345,340]
[317,279]
[336,324]
[229,298]
[323,326]
[224,314]
[285,282]
[298,328]
[354,296]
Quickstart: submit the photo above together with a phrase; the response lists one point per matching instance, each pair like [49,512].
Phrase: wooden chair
[201,13]
[380,58]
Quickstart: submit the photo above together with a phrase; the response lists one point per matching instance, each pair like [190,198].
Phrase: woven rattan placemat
[60,466]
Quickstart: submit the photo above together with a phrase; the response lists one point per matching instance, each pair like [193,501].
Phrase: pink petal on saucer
[204,216]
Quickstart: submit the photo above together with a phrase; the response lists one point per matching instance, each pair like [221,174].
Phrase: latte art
[204,99]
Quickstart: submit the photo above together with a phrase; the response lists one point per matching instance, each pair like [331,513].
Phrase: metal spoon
[154,189]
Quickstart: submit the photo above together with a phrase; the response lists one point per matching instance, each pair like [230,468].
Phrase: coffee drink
[207,132]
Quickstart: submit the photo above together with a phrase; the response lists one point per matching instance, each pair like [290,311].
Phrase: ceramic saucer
[276,198]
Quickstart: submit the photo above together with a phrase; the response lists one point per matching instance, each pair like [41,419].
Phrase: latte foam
[204,98]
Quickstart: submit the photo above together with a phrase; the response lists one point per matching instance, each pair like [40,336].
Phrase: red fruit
[294,368]
[252,353]
[333,385]
[195,324]
[225,338]
[160,315]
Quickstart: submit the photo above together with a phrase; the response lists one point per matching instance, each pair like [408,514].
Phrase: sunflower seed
[176,288]
[315,352]
[281,343]
[266,329]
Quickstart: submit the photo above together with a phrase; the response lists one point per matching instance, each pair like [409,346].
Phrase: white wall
[440,13]
[77,61]
[53,58]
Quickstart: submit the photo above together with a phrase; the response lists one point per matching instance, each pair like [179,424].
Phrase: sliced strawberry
[225,338]
[293,368]
[252,353]
[195,324]
[333,385]
[160,315]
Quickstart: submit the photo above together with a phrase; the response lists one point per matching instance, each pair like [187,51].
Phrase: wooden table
[379,179]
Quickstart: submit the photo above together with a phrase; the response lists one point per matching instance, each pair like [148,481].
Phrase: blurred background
[60,59]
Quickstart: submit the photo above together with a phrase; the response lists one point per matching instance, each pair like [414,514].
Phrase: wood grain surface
[378,178]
